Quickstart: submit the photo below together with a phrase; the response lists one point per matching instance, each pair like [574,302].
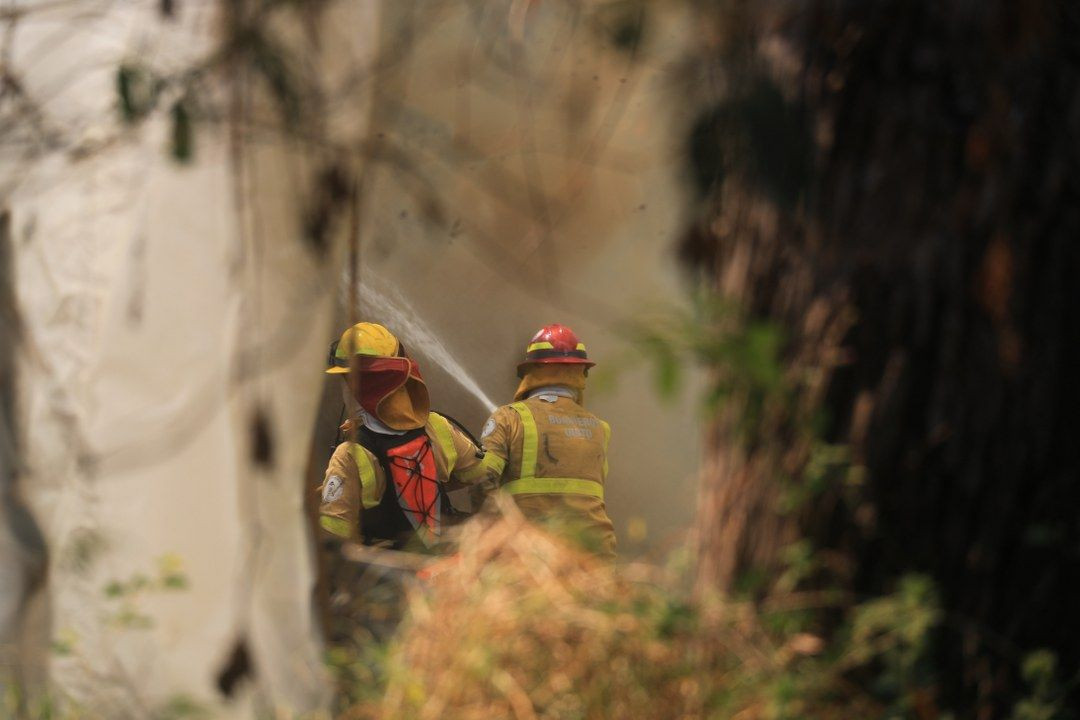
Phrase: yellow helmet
[389,384]
[366,339]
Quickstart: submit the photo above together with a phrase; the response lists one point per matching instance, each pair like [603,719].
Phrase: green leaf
[668,374]
[137,91]
[64,642]
[1039,668]
[762,342]
[676,617]
[177,581]
[181,706]
[183,146]
[130,618]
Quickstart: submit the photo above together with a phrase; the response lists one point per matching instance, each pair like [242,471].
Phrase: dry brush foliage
[521,624]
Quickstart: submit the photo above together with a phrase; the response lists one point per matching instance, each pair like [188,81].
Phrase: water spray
[406,323]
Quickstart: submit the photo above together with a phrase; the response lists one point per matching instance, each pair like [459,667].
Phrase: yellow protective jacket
[550,453]
[355,480]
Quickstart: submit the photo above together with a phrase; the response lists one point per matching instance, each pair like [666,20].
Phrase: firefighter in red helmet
[546,450]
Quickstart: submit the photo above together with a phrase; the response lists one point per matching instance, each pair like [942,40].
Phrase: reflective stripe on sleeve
[369,496]
[441,427]
[555,486]
[334,525]
[477,472]
[528,440]
[494,463]
[491,466]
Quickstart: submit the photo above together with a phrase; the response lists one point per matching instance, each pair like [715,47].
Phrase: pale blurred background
[528,171]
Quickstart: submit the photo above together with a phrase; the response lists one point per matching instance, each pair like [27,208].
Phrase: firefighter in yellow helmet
[546,449]
[386,484]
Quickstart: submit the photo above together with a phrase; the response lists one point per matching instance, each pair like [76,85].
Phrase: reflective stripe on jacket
[551,455]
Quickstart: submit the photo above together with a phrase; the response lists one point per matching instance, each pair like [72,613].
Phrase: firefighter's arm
[496,437]
[339,508]
[469,468]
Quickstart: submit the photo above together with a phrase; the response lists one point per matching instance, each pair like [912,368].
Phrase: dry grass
[523,625]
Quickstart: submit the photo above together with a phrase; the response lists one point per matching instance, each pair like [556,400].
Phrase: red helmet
[555,344]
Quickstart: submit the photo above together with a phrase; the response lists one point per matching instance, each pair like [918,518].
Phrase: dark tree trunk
[898,185]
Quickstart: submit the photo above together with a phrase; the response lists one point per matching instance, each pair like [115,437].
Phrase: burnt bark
[924,201]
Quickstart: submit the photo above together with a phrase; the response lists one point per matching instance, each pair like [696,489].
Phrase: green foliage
[906,616]
[743,355]
[675,617]
[800,562]
[171,573]
[359,668]
[667,369]
[183,149]
[1047,698]
[64,642]
[16,701]
[828,467]
[84,548]
[895,632]
[247,43]
[138,89]
[170,577]
[182,707]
